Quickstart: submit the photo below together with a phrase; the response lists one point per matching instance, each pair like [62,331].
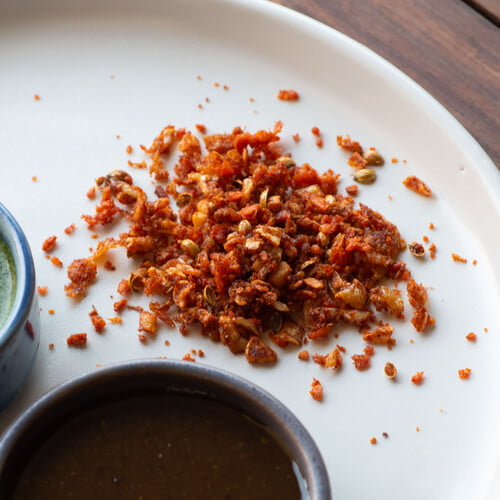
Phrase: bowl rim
[17,242]
[234,389]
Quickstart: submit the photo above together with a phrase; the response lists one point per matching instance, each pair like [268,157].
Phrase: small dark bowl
[19,333]
[162,377]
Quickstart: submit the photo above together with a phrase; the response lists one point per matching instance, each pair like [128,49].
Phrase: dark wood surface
[450,47]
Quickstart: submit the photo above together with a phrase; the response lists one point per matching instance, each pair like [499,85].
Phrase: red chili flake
[296,137]
[81,273]
[142,338]
[188,357]
[319,142]
[288,95]
[471,337]
[418,378]
[42,290]
[51,311]
[316,390]
[109,266]
[120,305]
[474,262]
[417,186]
[347,144]
[352,190]
[394,160]
[198,77]
[167,342]
[115,320]
[202,129]
[361,361]
[51,347]
[49,244]
[216,84]
[34,178]
[373,440]
[369,350]
[77,340]
[464,373]
[225,87]
[303,355]
[315,131]
[431,225]
[36,97]
[70,229]
[200,106]
[457,258]
[425,239]
[56,261]
[91,193]
[98,321]
[432,251]
[201,354]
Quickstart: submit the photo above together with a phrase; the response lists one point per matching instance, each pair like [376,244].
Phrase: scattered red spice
[303,355]
[56,261]
[115,320]
[167,342]
[77,340]
[418,378]
[319,142]
[91,193]
[417,186]
[129,149]
[352,190]
[201,354]
[369,350]
[98,321]
[474,262]
[431,225]
[81,273]
[34,178]
[70,229]
[394,160]
[142,338]
[425,239]
[42,290]
[471,337]
[316,390]
[296,137]
[188,357]
[373,440]
[346,143]
[148,322]
[432,250]
[288,95]
[202,129]
[333,359]
[316,131]
[464,373]
[109,266]
[225,87]
[120,305]
[220,268]
[49,244]
[361,361]
[51,347]
[457,258]
[37,97]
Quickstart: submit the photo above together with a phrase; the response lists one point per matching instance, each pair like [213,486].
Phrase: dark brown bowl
[162,377]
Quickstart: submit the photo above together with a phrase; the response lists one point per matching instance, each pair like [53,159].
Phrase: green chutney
[7,281]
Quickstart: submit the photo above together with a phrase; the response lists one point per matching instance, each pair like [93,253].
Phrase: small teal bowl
[20,327]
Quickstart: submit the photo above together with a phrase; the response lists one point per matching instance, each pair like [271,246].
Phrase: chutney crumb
[77,340]
[316,390]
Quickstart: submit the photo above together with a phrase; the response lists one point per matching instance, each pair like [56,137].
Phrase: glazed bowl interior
[24,285]
[162,377]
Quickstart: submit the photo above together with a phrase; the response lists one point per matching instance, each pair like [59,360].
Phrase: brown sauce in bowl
[159,447]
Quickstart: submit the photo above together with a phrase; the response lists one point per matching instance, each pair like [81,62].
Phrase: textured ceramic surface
[19,334]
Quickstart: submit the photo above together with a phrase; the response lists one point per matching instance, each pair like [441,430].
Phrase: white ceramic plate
[104,69]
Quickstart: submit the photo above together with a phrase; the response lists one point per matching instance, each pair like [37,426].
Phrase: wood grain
[488,8]
[446,46]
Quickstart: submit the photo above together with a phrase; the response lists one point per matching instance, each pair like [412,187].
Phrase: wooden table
[450,47]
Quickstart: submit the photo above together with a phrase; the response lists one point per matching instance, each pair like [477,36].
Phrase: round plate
[112,74]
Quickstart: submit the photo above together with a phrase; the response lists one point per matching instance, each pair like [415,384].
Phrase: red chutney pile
[259,253]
